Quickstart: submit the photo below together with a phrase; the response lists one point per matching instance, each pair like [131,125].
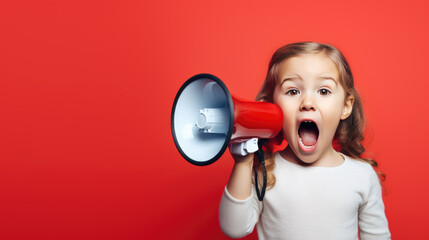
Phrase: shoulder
[362,170]
[359,165]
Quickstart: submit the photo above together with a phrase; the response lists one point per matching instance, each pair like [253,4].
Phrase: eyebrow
[328,78]
[290,79]
[323,77]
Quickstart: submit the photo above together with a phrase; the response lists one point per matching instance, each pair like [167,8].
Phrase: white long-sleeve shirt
[310,203]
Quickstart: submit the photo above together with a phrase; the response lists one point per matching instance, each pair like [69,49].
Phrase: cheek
[338,111]
[288,107]
[288,113]
[333,108]
[289,118]
[332,117]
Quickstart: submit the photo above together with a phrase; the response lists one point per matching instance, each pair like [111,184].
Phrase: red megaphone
[205,119]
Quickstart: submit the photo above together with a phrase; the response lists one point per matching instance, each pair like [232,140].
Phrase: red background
[86,90]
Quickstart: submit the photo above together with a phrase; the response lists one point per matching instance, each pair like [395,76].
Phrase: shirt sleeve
[372,219]
[237,218]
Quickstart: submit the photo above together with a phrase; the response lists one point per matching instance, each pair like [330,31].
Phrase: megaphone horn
[206,118]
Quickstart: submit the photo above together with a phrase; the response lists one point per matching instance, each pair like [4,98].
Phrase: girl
[314,192]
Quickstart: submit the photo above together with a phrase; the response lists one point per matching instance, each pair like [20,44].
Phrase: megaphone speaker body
[206,118]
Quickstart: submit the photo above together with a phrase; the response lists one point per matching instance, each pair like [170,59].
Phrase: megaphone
[206,118]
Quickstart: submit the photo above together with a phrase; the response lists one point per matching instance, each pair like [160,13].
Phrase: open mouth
[308,134]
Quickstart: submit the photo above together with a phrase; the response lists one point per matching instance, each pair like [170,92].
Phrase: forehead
[312,65]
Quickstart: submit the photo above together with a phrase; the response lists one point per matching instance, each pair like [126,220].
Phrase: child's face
[313,102]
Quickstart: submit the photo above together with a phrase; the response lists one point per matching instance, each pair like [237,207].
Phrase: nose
[307,103]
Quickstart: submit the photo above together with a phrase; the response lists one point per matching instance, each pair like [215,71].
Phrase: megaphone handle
[260,155]
[244,148]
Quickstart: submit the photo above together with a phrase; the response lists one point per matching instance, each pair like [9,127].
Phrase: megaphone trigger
[245,147]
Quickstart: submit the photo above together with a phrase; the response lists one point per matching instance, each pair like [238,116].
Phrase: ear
[348,107]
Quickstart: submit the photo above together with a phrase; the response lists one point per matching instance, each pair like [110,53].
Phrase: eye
[292,92]
[324,91]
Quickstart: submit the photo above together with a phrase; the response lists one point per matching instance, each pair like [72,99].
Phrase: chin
[296,154]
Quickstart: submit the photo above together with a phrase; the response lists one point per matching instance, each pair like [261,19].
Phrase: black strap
[260,155]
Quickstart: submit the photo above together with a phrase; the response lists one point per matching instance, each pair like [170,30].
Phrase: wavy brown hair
[349,134]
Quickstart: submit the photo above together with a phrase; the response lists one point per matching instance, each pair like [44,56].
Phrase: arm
[240,180]
[372,219]
[239,208]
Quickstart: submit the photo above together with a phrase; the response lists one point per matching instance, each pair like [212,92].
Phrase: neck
[330,158]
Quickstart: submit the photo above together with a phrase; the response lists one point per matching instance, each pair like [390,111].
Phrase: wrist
[246,161]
